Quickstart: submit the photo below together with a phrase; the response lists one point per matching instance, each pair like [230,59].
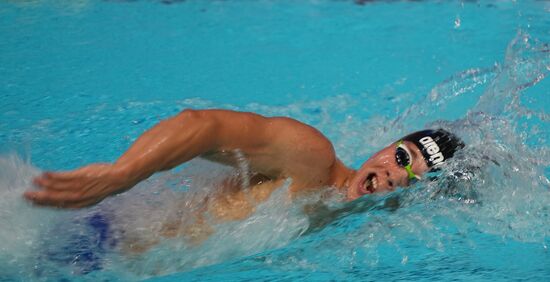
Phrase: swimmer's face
[382,173]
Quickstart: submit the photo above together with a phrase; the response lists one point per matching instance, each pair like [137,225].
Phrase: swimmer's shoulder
[282,132]
[308,154]
[301,136]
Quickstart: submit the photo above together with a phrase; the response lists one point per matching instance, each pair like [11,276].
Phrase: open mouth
[370,184]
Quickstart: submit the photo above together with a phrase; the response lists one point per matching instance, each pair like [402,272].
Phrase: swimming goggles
[403,159]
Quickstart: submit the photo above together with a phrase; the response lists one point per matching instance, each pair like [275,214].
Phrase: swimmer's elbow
[189,115]
[196,128]
[196,118]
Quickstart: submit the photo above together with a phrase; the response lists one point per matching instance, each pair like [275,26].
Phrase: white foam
[23,226]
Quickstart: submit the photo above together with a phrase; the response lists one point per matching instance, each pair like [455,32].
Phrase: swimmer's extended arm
[273,146]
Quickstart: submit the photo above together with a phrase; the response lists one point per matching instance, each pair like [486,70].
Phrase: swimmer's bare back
[275,147]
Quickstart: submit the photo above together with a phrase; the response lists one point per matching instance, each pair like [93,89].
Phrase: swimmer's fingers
[59,199]
[70,179]
[51,198]
[83,187]
[48,178]
[92,170]
[49,183]
[65,175]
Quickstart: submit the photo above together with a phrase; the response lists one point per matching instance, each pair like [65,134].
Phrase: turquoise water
[80,80]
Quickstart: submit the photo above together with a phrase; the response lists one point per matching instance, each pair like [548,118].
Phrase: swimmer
[276,148]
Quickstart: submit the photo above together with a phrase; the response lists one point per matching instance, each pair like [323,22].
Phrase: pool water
[80,80]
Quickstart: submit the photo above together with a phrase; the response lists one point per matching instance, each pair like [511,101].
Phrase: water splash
[497,185]
[22,228]
[526,63]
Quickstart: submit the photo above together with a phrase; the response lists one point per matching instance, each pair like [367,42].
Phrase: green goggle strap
[411,174]
[408,167]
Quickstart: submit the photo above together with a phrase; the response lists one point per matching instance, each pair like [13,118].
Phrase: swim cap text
[436,157]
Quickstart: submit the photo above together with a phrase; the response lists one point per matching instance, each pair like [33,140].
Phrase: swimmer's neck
[341,176]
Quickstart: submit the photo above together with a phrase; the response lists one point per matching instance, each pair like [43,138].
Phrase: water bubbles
[457,22]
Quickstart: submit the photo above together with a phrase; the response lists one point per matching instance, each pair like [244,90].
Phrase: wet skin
[277,148]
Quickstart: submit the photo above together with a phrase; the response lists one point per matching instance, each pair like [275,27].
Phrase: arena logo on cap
[436,157]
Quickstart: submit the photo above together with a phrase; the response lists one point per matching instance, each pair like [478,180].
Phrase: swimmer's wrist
[122,176]
[126,176]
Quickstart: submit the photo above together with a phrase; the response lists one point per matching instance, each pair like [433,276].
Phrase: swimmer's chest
[236,203]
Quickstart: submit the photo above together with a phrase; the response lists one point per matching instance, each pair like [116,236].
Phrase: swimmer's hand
[79,188]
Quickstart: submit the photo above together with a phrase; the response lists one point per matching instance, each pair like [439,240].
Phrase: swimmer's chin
[354,192]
